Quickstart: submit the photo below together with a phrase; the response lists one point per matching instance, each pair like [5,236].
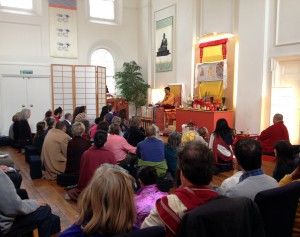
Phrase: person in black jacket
[135,133]
[68,122]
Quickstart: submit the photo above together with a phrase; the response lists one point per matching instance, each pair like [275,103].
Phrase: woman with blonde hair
[106,206]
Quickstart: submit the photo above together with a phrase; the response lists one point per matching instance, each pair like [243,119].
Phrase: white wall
[24,43]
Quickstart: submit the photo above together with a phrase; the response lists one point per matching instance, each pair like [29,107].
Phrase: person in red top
[91,159]
[273,134]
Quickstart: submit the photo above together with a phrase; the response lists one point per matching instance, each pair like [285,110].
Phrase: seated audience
[86,133]
[287,179]
[135,133]
[110,114]
[124,122]
[13,174]
[233,180]
[151,152]
[90,161]
[58,112]
[25,136]
[21,215]
[170,151]
[11,128]
[220,144]
[147,195]
[196,166]
[103,125]
[285,163]
[81,114]
[253,180]
[54,151]
[117,120]
[16,128]
[203,135]
[48,114]
[119,146]
[38,139]
[51,123]
[272,134]
[106,206]
[75,149]
[104,111]
[68,121]
[95,127]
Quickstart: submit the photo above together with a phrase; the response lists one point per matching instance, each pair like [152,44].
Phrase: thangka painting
[63,28]
[214,71]
[164,33]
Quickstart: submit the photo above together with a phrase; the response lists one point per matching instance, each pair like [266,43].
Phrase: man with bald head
[151,151]
[273,134]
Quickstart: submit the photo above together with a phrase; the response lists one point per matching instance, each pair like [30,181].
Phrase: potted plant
[131,84]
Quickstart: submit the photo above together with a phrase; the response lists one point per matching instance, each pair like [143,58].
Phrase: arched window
[102,57]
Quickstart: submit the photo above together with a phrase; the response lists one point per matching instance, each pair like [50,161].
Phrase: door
[18,93]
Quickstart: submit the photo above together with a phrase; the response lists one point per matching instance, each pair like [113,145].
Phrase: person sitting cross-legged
[248,153]
[151,152]
[196,166]
[21,216]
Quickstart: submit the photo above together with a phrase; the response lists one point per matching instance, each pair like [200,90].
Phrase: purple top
[145,201]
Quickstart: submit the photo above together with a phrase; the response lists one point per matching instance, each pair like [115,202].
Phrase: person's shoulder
[73,231]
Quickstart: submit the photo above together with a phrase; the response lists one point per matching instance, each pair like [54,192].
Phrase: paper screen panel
[85,84]
[101,93]
[62,87]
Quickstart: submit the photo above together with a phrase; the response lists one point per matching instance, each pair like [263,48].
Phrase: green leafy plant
[131,84]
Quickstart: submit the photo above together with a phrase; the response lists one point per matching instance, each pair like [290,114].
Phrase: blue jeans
[23,224]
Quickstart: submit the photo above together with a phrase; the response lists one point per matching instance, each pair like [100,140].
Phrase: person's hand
[41,203]
[4,168]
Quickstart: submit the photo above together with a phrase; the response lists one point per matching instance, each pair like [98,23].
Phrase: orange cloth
[168,100]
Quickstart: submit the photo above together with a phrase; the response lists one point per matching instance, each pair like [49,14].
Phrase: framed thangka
[164,43]
[63,28]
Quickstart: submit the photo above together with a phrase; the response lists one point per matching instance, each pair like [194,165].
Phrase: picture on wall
[214,71]
[164,33]
[63,28]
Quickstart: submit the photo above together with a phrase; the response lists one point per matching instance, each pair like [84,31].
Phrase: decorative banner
[210,51]
[164,33]
[215,71]
[63,28]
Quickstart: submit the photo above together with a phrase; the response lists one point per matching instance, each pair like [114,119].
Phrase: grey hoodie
[11,204]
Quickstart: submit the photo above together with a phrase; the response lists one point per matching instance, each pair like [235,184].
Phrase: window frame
[35,10]
[117,13]
[114,65]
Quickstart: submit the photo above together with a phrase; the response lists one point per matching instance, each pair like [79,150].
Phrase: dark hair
[67,115]
[196,162]
[174,139]
[60,125]
[50,121]
[114,129]
[58,110]
[97,120]
[100,138]
[122,113]
[110,107]
[150,131]
[223,130]
[284,151]
[148,175]
[248,154]
[40,126]
[167,88]
[103,125]
[104,111]
[48,114]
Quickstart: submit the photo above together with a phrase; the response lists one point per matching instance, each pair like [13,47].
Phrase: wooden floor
[53,194]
